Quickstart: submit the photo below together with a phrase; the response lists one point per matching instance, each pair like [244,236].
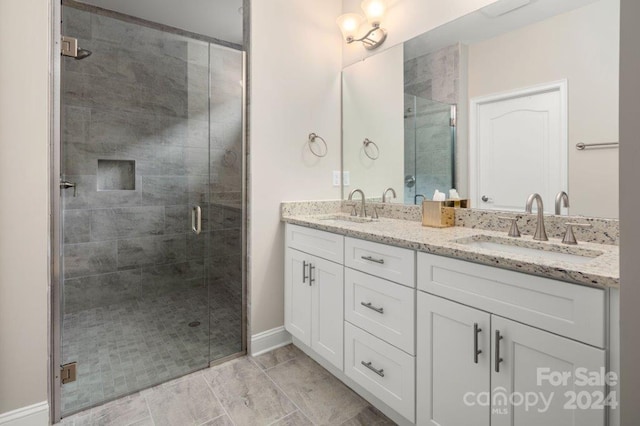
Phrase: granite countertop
[602,271]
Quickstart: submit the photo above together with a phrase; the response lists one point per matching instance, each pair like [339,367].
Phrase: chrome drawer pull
[498,360]
[304,271]
[368,365]
[476,351]
[373,308]
[311,279]
[371,259]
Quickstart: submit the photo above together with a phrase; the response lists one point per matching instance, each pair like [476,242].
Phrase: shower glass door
[151,149]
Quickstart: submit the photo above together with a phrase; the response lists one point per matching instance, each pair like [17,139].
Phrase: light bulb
[374,10]
[349,24]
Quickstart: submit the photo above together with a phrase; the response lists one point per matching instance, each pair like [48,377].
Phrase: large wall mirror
[496,104]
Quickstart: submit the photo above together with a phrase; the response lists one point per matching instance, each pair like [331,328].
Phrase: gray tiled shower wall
[428,155]
[172,105]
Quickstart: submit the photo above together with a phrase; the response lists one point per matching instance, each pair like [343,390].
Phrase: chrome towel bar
[582,146]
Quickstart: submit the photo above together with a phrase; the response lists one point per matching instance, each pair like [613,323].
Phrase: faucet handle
[569,236]
[374,215]
[354,212]
[514,231]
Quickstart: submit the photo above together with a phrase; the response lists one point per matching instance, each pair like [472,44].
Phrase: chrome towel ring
[312,140]
[365,143]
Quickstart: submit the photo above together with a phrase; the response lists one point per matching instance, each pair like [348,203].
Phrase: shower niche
[116,175]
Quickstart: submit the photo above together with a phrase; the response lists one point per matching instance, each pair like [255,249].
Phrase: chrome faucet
[384,194]
[363,211]
[541,234]
[561,198]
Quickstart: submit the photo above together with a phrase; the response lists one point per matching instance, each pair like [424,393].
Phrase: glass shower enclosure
[429,146]
[151,283]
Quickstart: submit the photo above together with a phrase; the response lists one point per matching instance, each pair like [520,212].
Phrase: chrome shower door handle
[196,219]
[66,184]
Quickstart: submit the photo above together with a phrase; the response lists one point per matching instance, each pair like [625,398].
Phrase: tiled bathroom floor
[120,349]
[283,387]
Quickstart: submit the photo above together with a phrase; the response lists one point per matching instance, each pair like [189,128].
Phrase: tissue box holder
[441,214]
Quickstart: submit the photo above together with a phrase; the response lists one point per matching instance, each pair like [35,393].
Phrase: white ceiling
[478,26]
[214,18]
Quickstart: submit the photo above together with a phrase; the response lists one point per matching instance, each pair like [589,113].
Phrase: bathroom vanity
[434,329]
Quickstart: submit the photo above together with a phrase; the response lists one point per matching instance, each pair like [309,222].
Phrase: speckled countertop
[602,271]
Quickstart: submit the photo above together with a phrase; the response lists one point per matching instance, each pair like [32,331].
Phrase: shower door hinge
[69,46]
[68,373]
[452,122]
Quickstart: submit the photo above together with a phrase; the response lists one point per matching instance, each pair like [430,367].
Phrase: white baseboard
[269,340]
[32,415]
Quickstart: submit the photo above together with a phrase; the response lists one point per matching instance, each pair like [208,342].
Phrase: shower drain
[194,323]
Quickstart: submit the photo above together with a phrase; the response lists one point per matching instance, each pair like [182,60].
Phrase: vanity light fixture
[350,23]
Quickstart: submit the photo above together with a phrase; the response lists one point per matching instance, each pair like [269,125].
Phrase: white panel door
[327,309]
[524,350]
[519,147]
[297,295]
[450,376]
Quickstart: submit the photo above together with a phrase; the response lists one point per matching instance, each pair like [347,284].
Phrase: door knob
[485,199]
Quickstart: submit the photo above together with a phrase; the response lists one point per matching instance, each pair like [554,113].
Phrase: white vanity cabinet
[432,340]
[314,291]
[380,322]
[475,364]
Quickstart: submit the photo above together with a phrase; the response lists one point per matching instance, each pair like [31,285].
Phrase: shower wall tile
[111,224]
[154,159]
[90,258]
[75,124]
[147,251]
[120,127]
[100,290]
[163,190]
[88,195]
[197,161]
[161,279]
[81,158]
[196,245]
[435,75]
[198,189]
[76,23]
[177,219]
[76,226]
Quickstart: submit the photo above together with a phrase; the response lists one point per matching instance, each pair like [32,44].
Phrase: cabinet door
[327,314]
[527,355]
[297,295]
[450,375]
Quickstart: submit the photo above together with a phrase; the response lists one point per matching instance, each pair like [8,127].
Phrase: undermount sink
[347,218]
[549,251]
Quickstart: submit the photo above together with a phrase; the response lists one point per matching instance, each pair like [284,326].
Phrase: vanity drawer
[382,308]
[392,263]
[390,374]
[566,309]
[318,243]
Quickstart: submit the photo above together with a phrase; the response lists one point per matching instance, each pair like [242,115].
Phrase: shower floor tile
[123,348]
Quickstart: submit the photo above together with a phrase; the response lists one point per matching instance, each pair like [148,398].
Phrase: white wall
[406,19]
[295,90]
[373,105]
[583,47]
[24,202]
[629,207]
